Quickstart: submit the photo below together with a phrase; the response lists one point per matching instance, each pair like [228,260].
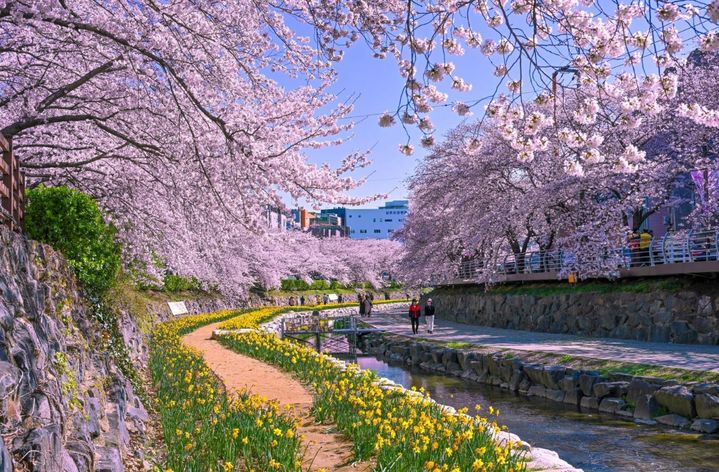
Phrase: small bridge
[328,333]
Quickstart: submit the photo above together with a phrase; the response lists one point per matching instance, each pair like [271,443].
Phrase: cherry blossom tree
[553,176]
[184,119]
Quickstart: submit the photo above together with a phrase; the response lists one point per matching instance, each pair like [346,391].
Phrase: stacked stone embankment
[687,316]
[649,400]
[65,403]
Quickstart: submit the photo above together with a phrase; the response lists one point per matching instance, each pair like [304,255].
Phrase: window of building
[389,230]
[388,220]
[378,231]
[352,231]
[363,231]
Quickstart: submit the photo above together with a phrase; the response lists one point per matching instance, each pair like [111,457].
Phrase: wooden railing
[12,188]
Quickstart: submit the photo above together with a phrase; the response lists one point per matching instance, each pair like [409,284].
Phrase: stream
[593,442]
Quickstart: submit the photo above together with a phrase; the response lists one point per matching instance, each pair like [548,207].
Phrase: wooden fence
[12,188]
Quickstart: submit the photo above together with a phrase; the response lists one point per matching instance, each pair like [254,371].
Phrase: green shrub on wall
[71,222]
[177,283]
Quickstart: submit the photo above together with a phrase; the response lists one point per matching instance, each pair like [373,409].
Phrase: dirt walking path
[324,449]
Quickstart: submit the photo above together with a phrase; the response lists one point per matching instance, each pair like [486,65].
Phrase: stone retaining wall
[647,400]
[690,317]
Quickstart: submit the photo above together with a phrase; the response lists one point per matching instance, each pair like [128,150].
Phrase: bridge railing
[673,248]
[316,323]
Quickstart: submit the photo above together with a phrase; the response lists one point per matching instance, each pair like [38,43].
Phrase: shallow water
[593,442]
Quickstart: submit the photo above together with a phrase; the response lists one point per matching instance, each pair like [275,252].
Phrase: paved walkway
[683,356]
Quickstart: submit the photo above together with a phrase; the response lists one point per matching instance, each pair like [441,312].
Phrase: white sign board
[178,308]
[333,297]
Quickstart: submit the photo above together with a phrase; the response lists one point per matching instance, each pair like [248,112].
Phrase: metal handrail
[672,248]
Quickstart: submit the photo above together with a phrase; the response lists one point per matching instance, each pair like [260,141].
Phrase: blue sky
[377,86]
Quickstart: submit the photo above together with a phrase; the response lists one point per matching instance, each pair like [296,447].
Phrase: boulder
[552,375]
[569,383]
[505,372]
[586,383]
[475,366]
[638,388]
[646,407]
[573,397]
[537,391]
[611,404]
[707,405]
[5,459]
[589,403]
[118,434]
[705,426]
[674,420]
[534,372]
[109,460]
[610,389]
[464,356]
[712,389]
[449,356]
[556,395]
[517,377]
[677,399]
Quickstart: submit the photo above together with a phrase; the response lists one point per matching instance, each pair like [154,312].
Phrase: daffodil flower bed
[407,431]
[204,428]
[254,319]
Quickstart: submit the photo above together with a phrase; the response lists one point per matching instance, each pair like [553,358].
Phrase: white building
[276,220]
[376,223]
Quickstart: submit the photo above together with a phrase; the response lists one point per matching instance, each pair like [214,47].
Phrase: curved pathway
[681,356]
[324,448]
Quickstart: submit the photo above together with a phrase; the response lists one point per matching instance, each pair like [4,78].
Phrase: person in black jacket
[429,315]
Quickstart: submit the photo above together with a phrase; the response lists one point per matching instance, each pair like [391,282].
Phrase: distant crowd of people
[323,300]
[366,303]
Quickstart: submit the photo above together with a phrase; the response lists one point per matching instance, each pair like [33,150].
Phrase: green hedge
[71,222]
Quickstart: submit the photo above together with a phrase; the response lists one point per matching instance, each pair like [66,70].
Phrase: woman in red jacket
[414,312]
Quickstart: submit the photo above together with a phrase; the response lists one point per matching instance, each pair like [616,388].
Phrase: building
[374,223]
[357,223]
[276,221]
[327,226]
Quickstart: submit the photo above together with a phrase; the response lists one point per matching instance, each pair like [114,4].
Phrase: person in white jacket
[429,315]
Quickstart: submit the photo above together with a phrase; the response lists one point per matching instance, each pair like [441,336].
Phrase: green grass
[544,289]
[460,345]
[604,367]
[649,370]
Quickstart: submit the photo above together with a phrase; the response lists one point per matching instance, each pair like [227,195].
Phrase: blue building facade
[372,223]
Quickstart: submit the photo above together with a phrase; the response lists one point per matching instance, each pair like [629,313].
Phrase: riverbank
[648,400]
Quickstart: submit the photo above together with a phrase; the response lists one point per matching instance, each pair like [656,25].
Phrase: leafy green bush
[71,222]
[319,285]
[177,283]
[294,284]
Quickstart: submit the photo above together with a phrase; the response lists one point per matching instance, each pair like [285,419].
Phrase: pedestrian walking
[339,298]
[325,299]
[645,242]
[429,315]
[367,305]
[292,301]
[302,300]
[414,313]
[361,305]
